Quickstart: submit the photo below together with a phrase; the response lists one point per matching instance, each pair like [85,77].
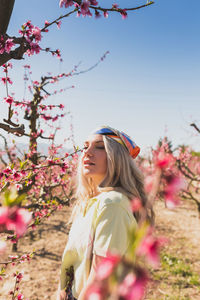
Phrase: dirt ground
[180,226]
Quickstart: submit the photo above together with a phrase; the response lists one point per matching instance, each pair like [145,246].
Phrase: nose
[88,151]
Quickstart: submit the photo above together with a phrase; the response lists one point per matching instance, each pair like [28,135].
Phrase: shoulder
[113,199]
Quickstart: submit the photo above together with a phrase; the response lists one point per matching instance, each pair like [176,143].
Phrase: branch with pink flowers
[34,109]
[31,35]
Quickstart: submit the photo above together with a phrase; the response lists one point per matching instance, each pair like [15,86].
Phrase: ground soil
[40,281]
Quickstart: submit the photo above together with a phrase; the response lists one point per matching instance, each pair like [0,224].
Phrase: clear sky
[149,84]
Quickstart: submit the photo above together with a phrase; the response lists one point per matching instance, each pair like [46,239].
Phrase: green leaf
[23,164]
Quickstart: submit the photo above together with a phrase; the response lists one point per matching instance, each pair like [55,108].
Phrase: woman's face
[94,160]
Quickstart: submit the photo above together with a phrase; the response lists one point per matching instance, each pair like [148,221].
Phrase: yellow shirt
[101,229]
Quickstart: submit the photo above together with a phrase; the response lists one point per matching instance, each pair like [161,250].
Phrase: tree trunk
[33,130]
[6,7]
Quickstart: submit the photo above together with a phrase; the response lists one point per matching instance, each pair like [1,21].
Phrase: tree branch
[14,130]
[195,126]
[7,150]
[6,7]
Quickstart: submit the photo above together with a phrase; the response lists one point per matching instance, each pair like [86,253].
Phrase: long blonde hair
[122,175]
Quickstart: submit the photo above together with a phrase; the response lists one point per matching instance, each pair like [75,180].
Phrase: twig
[195,126]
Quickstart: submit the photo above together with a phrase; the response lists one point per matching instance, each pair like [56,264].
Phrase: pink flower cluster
[6,44]
[162,174]
[150,247]
[16,294]
[32,34]
[132,287]
[173,185]
[15,218]
[85,5]
[6,79]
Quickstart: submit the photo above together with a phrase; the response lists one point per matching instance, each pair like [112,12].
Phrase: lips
[88,163]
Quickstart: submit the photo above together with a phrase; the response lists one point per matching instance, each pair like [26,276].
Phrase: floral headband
[122,138]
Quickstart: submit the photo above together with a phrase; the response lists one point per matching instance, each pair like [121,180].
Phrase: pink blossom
[28,24]
[94,293]
[174,185]
[7,171]
[8,45]
[61,106]
[150,247]
[93,2]
[58,24]
[55,118]
[133,286]
[16,219]
[85,8]
[78,13]
[36,32]
[20,296]
[66,3]
[163,159]
[5,46]
[105,14]
[35,48]
[6,66]
[97,14]
[46,117]
[106,266]
[57,52]
[115,6]
[123,14]
[3,214]
[136,204]
[64,167]
[6,79]
[16,176]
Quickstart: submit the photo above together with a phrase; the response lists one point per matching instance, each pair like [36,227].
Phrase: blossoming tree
[42,184]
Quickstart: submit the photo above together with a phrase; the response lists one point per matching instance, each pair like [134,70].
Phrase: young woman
[108,180]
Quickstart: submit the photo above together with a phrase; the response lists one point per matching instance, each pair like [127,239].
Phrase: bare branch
[195,126]
[7,150]
[19,131]
[58,19]
[184,169]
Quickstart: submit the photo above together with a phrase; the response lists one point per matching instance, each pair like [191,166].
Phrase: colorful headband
[121,138]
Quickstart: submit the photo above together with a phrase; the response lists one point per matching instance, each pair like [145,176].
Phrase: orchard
[37,186]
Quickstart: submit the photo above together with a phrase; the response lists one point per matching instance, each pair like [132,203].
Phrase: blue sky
[148,86]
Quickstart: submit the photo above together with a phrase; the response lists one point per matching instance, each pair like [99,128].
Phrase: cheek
[104,164]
